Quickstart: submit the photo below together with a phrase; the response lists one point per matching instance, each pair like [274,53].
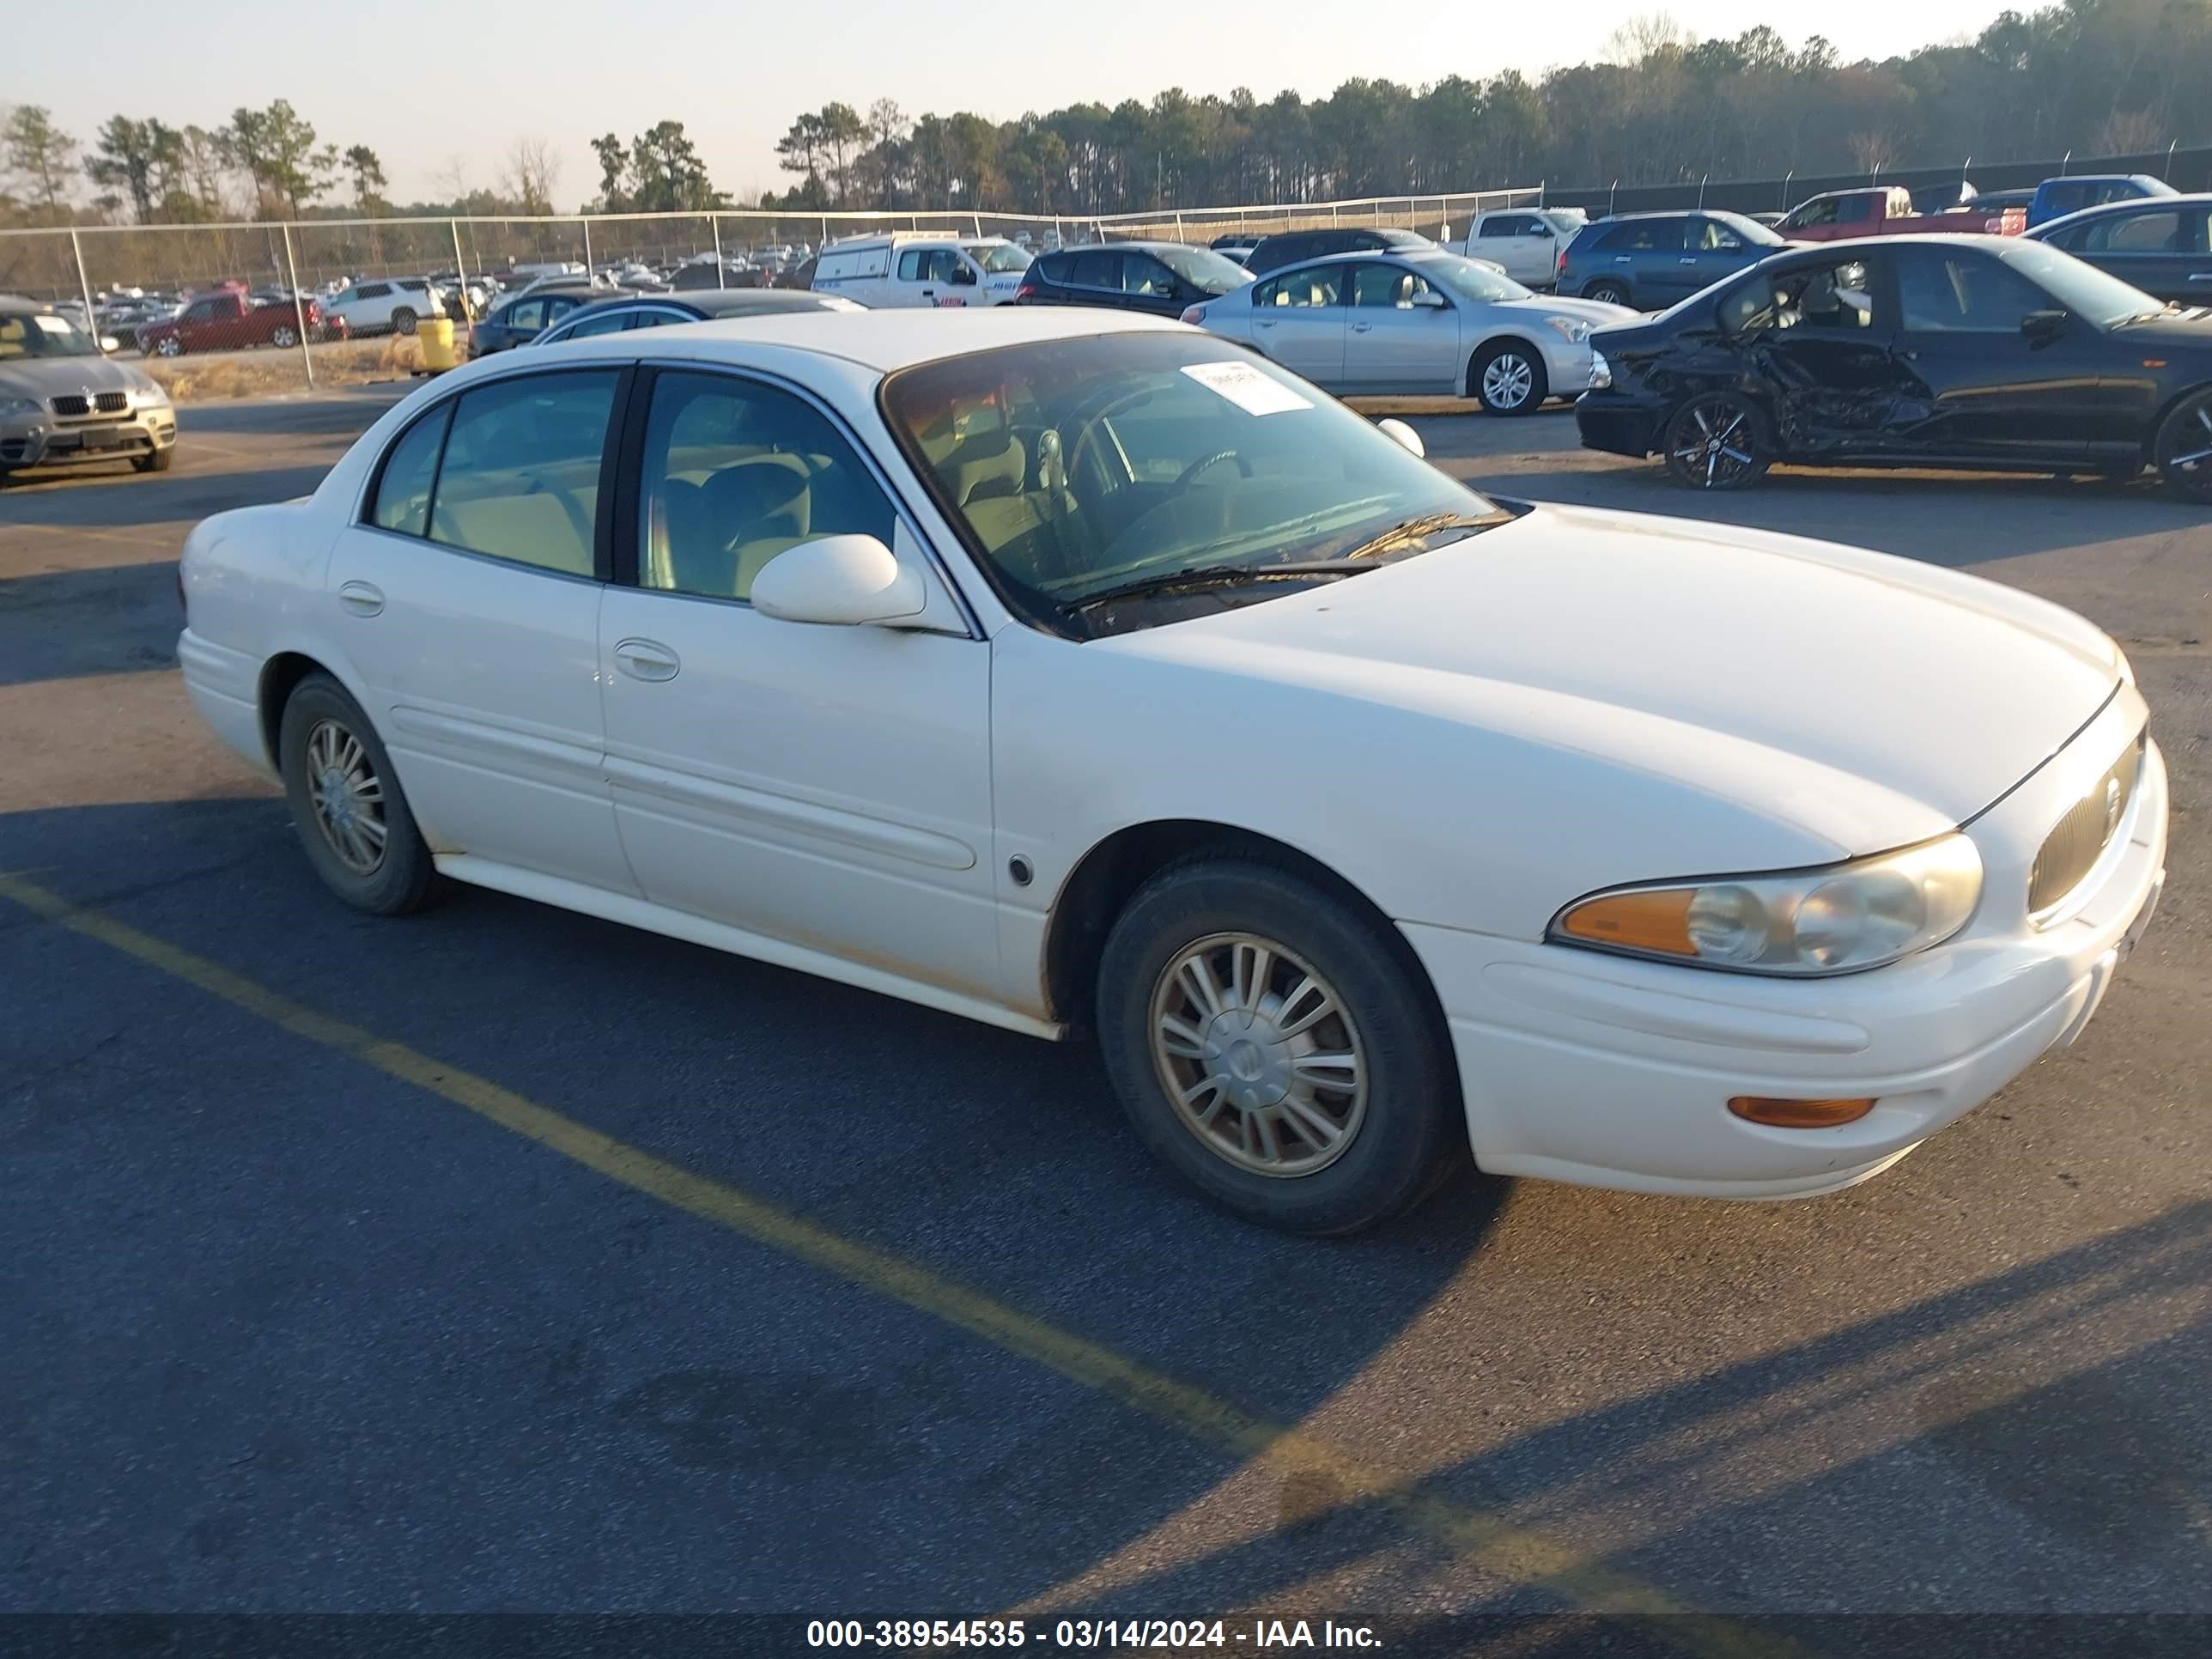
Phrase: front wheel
[154,460]
[1508,378]
[347,804]
[2184,448]
[1717,441]
[1271,1047]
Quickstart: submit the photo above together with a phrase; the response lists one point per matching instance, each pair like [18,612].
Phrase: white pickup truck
[1525,241]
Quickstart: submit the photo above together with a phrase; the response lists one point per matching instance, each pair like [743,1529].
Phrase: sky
[431,85]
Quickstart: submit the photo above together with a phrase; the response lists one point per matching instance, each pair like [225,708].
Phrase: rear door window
[1097,268]
[520,477]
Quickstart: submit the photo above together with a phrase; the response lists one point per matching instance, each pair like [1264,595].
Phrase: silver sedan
[1420,322]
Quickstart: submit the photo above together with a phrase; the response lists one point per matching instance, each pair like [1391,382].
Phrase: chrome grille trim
[2080,837]
[77,405]
[71,405]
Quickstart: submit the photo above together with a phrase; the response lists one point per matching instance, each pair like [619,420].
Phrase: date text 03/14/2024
[1100,1633]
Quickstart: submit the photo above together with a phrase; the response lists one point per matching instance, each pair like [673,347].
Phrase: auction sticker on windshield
[1247,387]
[51,325]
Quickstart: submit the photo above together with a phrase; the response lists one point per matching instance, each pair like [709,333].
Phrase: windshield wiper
[1215,575]
[1415,530]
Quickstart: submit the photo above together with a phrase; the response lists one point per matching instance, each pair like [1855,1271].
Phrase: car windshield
[1566,221]
[1750,230]
[1469,280]
[43,334]
[997,257]
[1201,267]
[2079,287]
[1077,467]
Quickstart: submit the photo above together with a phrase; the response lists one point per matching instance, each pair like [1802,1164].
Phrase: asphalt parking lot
[502,1259]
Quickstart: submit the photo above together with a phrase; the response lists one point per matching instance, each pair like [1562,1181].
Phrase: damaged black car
[1925,351]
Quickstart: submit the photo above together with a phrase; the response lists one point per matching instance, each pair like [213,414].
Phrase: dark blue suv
[1650,260]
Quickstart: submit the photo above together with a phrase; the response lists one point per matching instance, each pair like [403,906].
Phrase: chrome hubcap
[1258,1056]
[1714,448]
[2192,459]
[1507,381]
[346,796]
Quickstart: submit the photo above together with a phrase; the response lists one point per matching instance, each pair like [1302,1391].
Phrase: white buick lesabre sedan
[1066,670]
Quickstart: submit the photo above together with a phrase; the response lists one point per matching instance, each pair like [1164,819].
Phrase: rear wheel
[1607,290]
[1717,441]
[347,804]
[2184,448]
[1270,1047]
[403,321]
[1508,377]
[168,346]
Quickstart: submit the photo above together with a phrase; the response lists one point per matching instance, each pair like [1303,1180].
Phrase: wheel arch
[1102,882]
[280,677]
[1501,334]
[2166,413]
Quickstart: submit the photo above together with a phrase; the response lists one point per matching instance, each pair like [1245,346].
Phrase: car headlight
[148,395]
[14,409]
[1833,920]
[1600,371]
[1574,329]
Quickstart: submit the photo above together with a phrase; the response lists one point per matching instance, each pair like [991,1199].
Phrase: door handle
[1685,262]
[362,598]
[646,659]
[1361,328]
[1265,322]
[1620,258]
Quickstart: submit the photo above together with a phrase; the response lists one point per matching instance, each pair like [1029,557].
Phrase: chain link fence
[232,310]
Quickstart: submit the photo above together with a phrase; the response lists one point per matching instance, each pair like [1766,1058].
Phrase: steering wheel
[1190,474]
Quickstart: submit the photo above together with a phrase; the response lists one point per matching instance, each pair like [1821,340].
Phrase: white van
[921,268]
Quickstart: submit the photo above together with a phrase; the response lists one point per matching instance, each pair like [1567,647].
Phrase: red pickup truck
[1887,210]
[228,320]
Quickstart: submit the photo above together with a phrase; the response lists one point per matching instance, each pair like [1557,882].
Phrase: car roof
[2125,205]
[709,301]
[14,305]
[892,339]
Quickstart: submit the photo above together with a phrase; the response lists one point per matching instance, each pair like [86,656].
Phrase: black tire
[403,321]
[1611,289]
[154,460]
[403,876]
[283,338]
[168,346]
[1717,440]
[1402,1136]
[2185,447]
[1539,386]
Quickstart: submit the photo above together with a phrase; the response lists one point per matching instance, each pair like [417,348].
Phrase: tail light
[1026,291]
[1193,313]
[1561,270]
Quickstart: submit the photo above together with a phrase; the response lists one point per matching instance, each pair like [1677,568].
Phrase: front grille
[76,405]
[2079,839]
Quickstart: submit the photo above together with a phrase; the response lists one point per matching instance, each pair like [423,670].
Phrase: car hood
[2188,328]
[1869,700]
[50,377]
[1598,312]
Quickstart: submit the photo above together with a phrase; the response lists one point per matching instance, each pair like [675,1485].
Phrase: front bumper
[51,441]
[1618,423]
[1609,1072]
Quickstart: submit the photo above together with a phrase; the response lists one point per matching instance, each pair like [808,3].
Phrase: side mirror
[2042,327]
[962,276]
[109,343]
[1407,438]
[1429,300]
[844,580]
[1544,231]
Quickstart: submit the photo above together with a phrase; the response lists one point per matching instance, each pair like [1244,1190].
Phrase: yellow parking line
[1485,1540]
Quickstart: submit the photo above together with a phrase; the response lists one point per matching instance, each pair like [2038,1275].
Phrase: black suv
[1159,277]
[1295,247]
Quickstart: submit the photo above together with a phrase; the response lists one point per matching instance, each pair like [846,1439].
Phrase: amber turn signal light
[1799,1113]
